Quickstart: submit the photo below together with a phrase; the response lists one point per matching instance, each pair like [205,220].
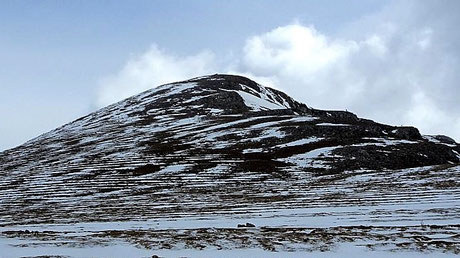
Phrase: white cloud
[423,111]
[301,59]
[153,68]
[398,66]
[294,49]
[424,40]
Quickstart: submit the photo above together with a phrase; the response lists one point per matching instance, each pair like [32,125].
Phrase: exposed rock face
[222,125]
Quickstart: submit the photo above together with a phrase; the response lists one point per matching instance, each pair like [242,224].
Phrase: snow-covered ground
[406,213]
[122,250]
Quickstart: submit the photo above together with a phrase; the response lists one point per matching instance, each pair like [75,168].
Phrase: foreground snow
[123,250]
[362,214]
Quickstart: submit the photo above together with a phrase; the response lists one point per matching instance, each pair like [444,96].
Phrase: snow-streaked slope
[224,145]
[195,127]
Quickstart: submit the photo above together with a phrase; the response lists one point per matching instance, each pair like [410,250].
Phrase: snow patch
[258,150]
[331,124]
[174,168]
[256,103]
[300,142]
[312,158]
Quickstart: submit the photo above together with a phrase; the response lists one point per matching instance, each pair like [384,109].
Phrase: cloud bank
[398,66]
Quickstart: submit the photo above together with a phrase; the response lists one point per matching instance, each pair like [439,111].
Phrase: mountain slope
[212,134]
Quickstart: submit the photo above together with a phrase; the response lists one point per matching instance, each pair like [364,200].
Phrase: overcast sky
[395,62]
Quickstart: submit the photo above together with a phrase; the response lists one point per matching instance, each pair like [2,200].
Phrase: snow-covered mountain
[207,145]
[220,117]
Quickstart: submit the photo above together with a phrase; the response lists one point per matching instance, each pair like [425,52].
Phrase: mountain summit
[214,133]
